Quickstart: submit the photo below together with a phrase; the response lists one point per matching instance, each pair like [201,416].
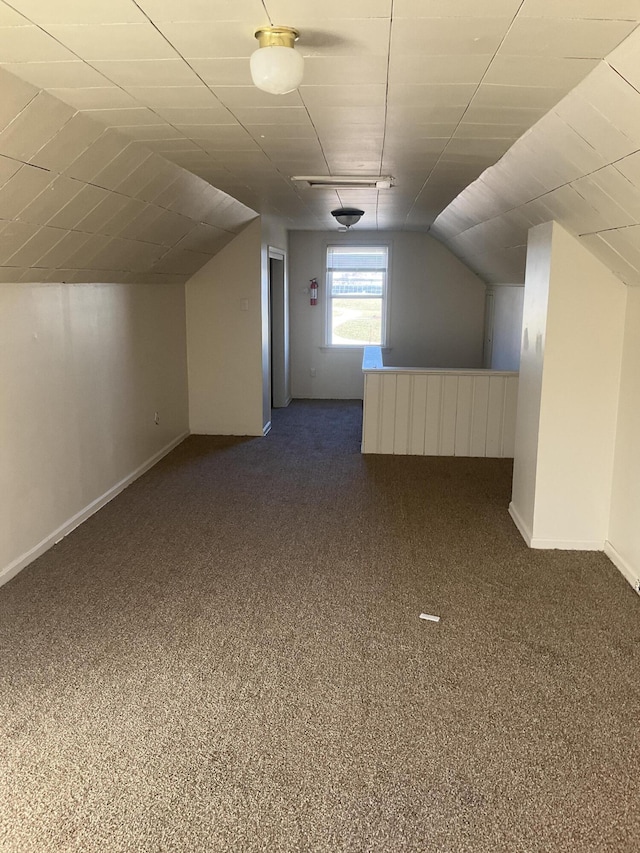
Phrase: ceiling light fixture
[347,216]
[345,182]
[276,67]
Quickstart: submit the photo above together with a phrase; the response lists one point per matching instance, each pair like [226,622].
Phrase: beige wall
[274,233]
[567,405]
[436,311]
[84,369]
[225,339]
[534,322]
[624,528]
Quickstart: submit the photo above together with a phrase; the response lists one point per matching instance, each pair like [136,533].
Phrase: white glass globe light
[276,69]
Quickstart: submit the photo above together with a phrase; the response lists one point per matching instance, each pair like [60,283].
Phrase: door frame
[278,308]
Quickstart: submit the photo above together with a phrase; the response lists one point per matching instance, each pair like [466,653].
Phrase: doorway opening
[280,393]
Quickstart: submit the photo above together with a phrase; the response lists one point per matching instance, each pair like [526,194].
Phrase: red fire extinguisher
[313,291]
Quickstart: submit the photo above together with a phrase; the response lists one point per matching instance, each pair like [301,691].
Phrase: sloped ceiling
[579,165]
[81,203]
[430,91]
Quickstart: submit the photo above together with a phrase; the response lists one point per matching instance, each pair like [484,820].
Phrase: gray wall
[436,314]
[507,327]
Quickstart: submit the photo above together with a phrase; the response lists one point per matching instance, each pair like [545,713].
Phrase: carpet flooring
[229,657]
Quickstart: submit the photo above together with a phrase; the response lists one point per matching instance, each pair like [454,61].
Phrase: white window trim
[327,345]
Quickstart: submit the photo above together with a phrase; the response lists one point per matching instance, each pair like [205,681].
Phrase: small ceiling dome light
[276,66]
[347,216]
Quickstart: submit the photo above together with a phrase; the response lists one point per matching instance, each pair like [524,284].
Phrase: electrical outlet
[156,418]
[312,372]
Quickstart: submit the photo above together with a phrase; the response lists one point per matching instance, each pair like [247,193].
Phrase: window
[356,295]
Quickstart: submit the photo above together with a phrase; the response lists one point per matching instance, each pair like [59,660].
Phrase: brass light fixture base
[276,36]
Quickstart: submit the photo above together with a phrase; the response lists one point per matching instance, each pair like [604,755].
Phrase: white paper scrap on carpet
[429,618]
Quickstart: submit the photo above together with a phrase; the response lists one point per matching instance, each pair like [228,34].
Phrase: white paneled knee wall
[439,412]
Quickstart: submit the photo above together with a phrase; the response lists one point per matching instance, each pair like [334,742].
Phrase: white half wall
[573,328]
[84,370]
[225,339]
[624,527]
[439,413]
[436,311]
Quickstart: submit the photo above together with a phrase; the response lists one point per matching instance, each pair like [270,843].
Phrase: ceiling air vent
[345,182]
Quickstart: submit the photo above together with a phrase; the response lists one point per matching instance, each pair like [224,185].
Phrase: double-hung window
[356,295]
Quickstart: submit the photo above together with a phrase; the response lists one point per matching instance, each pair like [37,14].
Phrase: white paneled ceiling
[82,203]
[430,91]
[579,165]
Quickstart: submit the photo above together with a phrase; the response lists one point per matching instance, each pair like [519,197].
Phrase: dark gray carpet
[228,657]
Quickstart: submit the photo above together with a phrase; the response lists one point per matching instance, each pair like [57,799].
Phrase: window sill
[347,348]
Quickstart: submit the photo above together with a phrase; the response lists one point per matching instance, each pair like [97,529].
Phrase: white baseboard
[623,566]
[519,523]
[283,405]
[553,544]
[76,520]
[568,544]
